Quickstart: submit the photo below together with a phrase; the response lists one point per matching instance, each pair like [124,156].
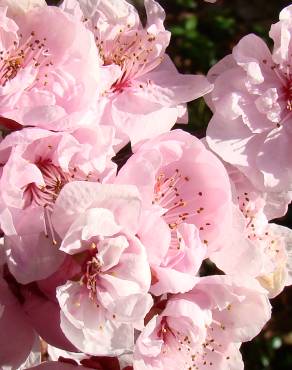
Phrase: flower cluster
[106,259]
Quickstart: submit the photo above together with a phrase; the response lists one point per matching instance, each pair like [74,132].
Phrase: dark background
[202,34]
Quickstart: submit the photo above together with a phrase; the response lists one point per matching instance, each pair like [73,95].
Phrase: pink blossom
[251,207]
[187,209]
[251,101]
[268,253]
[103,304]
[182,181]
[48,79]
[203,328]
[175,175]
[36,165]
[273,241]
[143,93]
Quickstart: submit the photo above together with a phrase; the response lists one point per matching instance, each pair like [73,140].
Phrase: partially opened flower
[143,93]
[252,108]
[103,303]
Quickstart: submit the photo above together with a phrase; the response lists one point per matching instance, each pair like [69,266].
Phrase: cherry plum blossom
[253,210]
[272,240]
[204,327]
[143,94]
[48,79]
[36,164]
[108,298]
[184,182]
[185,187]
[103,255]
[251,101]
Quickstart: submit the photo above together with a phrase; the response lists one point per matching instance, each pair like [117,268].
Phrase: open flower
[271,240]
[107,299]
[185,187]
[252,108]
[143,93]
[203,328]
[182,181]
[268,243]
[36,165]
[49,68]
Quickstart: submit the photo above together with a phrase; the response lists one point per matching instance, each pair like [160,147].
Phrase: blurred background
[202,34]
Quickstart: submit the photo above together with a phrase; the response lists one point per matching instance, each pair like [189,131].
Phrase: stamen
[48,219]
[31,52]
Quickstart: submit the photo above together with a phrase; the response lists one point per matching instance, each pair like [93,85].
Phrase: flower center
[167,195]
[47,194]
[171,193]
[284,75]
[181,344]
[132,54]
[30,52]
[191,354]
[133,51]
[91,267]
